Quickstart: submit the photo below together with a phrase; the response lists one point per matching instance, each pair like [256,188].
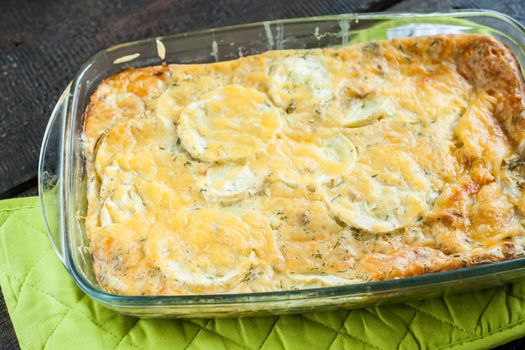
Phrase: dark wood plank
[31,191]
[24,189]
[518,344]
[43,43]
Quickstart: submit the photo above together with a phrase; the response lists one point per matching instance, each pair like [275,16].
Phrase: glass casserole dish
[62,175]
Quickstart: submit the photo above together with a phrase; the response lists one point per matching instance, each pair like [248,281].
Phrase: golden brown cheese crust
[306,168]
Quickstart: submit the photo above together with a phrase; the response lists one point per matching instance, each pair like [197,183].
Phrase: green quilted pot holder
[48,311]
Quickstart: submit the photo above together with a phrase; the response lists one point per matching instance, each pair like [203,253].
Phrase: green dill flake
[515,163]
[333,199]
[280,214]
[291,107]
[304,219]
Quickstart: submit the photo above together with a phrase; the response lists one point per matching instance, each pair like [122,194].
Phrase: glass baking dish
[62,177]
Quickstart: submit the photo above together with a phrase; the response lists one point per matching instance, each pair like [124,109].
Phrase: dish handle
[50,174]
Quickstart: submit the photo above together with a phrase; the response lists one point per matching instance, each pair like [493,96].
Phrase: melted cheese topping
[231,182]
[389,191]
[316,159]
[297,169]
[205,250]
[305,79]
[229,123]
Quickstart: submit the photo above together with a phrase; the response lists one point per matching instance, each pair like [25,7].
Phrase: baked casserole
[296,169]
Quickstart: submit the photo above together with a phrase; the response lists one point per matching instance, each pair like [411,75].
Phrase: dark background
[43,43]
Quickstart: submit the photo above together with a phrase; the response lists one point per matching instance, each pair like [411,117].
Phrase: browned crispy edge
[490,65]
[424,266]
[125,74]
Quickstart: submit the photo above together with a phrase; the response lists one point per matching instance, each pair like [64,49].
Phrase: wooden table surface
[43,43]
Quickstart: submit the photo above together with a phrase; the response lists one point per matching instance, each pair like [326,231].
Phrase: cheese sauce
[306,168]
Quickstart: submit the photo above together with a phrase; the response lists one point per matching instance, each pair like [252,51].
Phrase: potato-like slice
[297,83]
[316,160]
[231,123]
[204,250]
[230,182]
[390,192]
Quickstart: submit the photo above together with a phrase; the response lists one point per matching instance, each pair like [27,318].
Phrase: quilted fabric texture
[48,311]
